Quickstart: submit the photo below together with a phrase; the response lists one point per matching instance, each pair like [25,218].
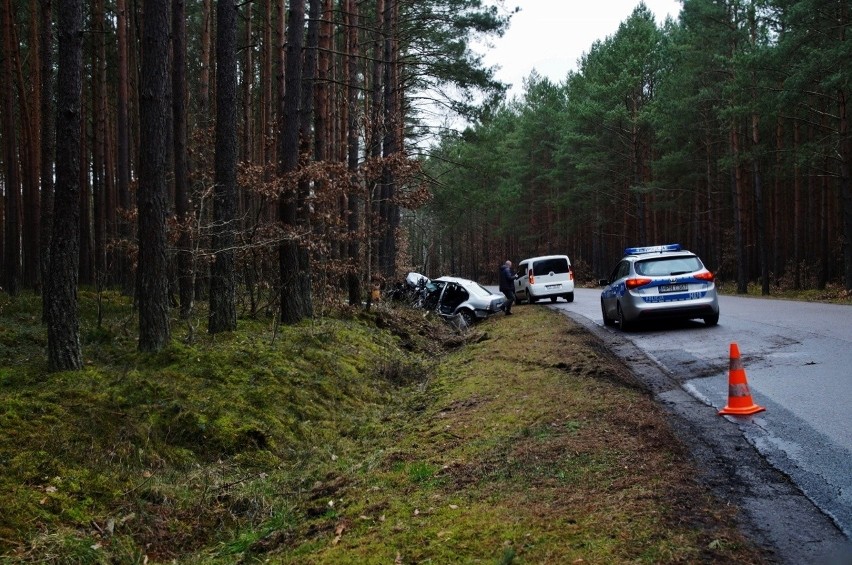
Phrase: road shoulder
[775,513]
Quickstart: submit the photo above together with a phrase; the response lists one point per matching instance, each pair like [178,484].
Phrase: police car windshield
[668,266]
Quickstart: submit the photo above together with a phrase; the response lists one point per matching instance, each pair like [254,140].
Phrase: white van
[549,276]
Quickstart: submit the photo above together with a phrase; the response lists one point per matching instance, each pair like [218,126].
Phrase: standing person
[507,286]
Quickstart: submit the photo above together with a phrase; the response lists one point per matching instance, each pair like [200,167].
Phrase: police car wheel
[711,321]
[606,319]
[622,322]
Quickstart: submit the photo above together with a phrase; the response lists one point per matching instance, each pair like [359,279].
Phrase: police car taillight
[637,282]
[705,276]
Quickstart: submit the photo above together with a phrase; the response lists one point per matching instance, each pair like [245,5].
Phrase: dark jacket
[507,279]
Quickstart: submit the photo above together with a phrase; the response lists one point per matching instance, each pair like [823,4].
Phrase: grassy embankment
[364,438]
[832,293]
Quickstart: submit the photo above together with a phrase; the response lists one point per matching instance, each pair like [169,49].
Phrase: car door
[615,288]
[522,280]
[454,295]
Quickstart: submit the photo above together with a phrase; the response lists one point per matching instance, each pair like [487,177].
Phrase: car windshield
[668,266]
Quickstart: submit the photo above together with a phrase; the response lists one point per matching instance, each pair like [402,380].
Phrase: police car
[662,281]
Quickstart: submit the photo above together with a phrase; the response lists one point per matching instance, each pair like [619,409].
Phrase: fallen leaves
[338,533]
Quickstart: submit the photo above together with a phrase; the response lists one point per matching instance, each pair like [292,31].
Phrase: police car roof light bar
[652,249]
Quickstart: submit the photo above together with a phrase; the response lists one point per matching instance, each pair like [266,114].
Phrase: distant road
[798,361]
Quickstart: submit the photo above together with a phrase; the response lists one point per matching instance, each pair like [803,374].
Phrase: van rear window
[547,266]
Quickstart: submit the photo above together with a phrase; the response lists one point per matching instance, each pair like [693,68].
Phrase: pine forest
[274,157]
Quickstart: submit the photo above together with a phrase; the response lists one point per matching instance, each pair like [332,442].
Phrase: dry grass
[532,446]
[360,438]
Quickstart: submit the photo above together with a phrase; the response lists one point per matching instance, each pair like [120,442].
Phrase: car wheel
[609,322]
[711,321]
[570,297]
[553,298]
[622,322]
[530,298]
[467,316]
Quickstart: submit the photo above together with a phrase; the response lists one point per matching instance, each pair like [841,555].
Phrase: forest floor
[832,293]
[382,437]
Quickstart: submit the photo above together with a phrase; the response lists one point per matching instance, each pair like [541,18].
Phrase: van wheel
[553,298]
[530,298]
[570,297]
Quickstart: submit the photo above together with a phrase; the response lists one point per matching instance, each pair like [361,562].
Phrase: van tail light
[637,282]
[705,276]
[570,273]
[532,278]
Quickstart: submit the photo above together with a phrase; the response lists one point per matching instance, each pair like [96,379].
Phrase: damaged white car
[454,296]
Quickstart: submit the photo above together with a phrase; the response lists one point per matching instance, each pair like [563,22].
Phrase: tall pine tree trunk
[186,282]
[152,194]
[123,145]
[291,307]
[32,195]
[223,313]
[280,64]
[99,127]
[375,130]
[63,323]
[322,114]
[845,156]
[247,75]
[48,139]
[85,270]
[204,78]
[846,186]
[797,209]
[353,201]
[27,173]
[12,252]
[760,214]
[266,87]
[306,137]
[389,211]
[739,211]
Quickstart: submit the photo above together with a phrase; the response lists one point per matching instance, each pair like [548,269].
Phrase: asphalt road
[789,468]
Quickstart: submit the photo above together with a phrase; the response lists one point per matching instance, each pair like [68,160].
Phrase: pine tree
[63,323]
[223,313]
[152,194]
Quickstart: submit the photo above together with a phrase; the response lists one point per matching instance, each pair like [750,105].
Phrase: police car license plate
[673,288]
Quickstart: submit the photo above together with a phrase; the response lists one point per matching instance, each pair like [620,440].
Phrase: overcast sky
[551,35]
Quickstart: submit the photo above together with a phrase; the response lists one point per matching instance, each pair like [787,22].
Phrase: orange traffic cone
[739,397]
